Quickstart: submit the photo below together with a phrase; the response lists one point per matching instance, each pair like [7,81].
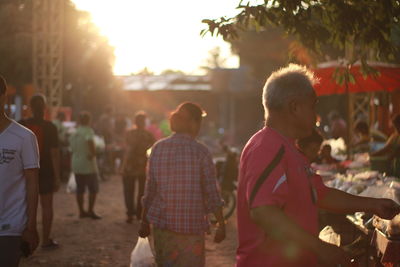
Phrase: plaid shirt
[181,187]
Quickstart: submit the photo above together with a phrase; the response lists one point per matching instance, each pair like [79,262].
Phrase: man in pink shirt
[278,194]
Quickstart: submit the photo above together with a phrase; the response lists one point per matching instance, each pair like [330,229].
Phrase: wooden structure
[48,49]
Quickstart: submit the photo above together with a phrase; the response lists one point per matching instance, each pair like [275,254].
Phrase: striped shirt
[181,187]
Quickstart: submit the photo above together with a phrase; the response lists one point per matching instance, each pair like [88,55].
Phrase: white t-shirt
[18,151]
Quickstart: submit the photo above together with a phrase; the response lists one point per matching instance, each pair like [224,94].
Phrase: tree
[16,42]
[88,62]
[369,25]
[88,58]
[214,60]
[263,51]
[171,71]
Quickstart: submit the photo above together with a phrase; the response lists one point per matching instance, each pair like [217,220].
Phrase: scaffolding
[48,49]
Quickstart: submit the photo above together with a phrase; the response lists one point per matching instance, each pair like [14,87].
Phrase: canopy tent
[361,91]
[387,80]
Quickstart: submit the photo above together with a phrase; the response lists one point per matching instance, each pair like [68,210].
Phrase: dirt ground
[108,242]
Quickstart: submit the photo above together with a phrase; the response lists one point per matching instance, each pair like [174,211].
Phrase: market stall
[367,96]
[363,235]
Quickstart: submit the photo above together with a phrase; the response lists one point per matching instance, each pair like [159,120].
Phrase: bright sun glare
[159,34]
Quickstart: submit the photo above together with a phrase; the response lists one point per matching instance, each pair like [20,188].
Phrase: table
[388,250]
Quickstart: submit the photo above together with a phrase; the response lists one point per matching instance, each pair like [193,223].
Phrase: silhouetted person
[392,148]
[49,172]
[19,167]
[311,145]
[338,126]
[84,165]
[138,140]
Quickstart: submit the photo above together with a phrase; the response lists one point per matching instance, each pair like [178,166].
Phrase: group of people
[278,193]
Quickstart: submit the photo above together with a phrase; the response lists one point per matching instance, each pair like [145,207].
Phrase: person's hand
[31,236]
[219,234]
[386,208]
[144,229]
[333,256]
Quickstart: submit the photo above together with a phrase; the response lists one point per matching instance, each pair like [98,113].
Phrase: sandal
[51,245]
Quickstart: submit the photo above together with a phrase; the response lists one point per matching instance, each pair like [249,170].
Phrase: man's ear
[293,105]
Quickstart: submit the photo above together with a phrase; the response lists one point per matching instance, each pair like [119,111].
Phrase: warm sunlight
[159,34]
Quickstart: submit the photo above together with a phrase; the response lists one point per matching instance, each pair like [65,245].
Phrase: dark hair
[327,146]
[140,119]
[315,137]
[84,118]
[362,127]
[3,85]
[396,122]
[181,117]
[38,105]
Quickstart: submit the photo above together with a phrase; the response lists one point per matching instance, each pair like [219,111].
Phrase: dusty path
[107,242]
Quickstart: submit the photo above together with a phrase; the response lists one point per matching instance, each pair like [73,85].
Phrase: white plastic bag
[71,186]
[329,236]
[141,255]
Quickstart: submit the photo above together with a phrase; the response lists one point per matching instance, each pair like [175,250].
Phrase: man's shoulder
[49,125]
[20,132]
[264,141]
[262,149]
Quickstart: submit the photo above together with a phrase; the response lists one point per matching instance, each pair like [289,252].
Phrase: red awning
[388,80]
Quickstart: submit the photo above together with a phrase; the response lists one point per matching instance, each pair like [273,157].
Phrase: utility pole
[48,17]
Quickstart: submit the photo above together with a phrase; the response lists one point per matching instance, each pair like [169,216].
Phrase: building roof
[165,82]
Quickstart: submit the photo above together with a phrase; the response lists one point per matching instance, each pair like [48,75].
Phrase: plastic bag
[330,236]
[141,255]
[71,186]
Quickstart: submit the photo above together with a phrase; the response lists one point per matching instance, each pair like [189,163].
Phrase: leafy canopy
[371,27]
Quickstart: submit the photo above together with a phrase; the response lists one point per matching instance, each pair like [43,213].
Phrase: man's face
[2,101]
[304,114]
[326,151]
[312,151]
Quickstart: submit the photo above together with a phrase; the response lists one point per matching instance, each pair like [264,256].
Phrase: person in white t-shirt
[19,165]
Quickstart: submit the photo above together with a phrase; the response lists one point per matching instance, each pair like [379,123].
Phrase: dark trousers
[129,182]
[10,251]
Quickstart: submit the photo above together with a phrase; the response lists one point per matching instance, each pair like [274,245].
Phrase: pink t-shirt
[274,172]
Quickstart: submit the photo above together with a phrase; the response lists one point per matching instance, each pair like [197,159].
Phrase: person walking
[49,172]
[84,165]
[138,140]
[19,170]
[181,189]
[279,194]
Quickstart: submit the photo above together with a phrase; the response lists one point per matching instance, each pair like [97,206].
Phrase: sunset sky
[160,34]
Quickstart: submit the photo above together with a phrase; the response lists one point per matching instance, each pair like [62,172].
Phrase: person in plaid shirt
[181,189]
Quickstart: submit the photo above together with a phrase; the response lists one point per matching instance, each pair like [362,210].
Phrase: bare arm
[127,152]
[220,232]
[92,149]
[342,202]
[386,150]
[150,192]
[30,233]
[281,228]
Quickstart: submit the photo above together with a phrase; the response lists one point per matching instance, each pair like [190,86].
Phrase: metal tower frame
[48,16]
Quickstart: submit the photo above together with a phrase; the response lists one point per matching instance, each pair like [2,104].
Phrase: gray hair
[286,83]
